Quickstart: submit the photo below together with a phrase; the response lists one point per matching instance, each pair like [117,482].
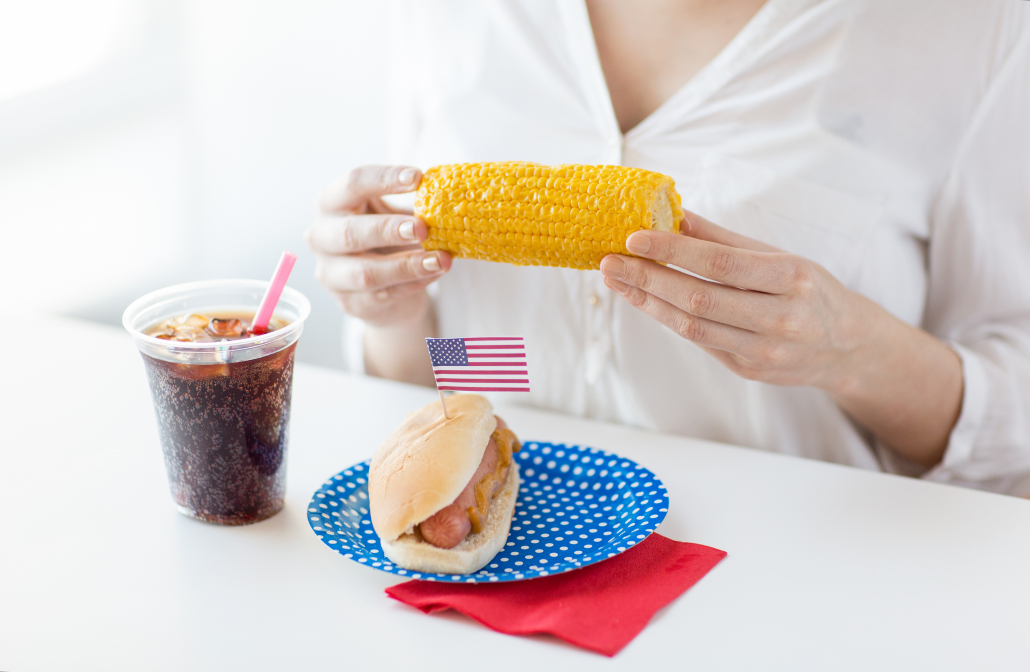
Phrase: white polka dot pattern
[576,506]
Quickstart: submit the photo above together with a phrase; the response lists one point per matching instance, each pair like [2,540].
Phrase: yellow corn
[532,215]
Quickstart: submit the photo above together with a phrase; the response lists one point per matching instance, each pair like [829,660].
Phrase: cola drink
[222,398]
[223,426]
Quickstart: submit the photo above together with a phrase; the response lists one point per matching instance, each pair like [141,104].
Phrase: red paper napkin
[601,607]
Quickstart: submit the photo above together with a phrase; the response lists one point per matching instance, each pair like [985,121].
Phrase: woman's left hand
[768,316]
[782,319]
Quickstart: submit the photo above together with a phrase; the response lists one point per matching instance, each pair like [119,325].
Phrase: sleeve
[979,282]
[403,124]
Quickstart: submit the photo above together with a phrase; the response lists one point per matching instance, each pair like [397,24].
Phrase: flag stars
[447,351]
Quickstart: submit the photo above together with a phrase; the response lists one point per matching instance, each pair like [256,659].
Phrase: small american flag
[487,364]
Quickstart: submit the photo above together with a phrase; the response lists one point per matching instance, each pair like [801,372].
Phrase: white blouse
[887,141]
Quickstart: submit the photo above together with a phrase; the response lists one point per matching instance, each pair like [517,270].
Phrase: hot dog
[442,490]
[449,526]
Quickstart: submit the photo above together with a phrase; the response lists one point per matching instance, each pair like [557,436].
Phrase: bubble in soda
[197,328]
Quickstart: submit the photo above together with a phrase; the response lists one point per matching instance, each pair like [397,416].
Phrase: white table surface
[829,568]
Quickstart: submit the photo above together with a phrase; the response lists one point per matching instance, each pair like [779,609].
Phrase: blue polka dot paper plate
[576,506]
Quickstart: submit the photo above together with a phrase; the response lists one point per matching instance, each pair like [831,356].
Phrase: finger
[365,306]
[698,227]
[700,298]
[387,294]
[349,234]
[370,272]
[695,329]
[351,192]
[772,272]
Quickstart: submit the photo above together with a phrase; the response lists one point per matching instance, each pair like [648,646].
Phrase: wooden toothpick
[443,403]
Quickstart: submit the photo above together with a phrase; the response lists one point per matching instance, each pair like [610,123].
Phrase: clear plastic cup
[223,408]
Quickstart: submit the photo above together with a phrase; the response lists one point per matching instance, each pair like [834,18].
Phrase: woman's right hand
[368,252]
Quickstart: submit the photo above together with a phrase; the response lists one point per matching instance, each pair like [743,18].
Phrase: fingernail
[406,176]
[613,267]
[407,230]
[616,286]
[638,243]
[431,264]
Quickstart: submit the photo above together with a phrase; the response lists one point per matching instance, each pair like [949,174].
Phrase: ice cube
[194,320]
[187,333]
[229,328]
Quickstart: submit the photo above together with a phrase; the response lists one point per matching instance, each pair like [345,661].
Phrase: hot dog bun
[474,552]
[420,469]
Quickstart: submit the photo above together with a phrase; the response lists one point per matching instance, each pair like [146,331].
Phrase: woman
[857,180]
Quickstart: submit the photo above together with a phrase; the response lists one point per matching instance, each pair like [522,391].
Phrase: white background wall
[193,150]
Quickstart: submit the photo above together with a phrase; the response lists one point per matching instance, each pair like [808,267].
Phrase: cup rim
[140,304]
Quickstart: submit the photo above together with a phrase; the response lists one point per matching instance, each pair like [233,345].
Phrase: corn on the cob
[533,215]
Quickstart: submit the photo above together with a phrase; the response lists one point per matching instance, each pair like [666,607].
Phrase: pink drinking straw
[275,290]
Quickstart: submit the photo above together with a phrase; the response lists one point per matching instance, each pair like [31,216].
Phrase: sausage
[449,526]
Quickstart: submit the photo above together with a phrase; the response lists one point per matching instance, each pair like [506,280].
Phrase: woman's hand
[368,253]
[769,316]
[779,318]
